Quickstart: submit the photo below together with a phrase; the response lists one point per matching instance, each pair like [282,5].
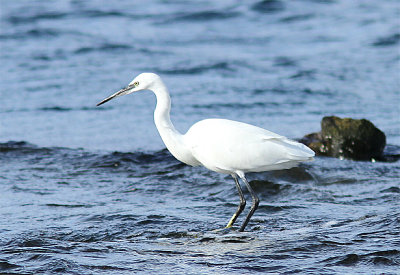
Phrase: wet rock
[357,139]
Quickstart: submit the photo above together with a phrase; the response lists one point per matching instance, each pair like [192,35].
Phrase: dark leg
[253,206]
[241,206]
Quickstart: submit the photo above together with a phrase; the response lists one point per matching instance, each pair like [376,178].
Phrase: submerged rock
[357,139]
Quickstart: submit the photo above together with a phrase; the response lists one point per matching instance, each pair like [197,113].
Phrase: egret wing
[225,146]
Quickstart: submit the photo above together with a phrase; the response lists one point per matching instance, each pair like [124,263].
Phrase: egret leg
[253,206]
[241,206]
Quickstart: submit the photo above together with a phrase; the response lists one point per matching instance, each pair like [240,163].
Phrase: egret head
[144,81]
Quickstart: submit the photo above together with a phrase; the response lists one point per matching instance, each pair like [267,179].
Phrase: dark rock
[357,139]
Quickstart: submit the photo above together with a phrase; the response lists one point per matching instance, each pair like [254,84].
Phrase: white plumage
[221,145]
[227,146]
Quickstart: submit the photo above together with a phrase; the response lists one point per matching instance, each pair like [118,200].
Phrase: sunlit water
[91,190]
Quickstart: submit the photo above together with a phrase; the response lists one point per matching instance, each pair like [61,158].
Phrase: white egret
[221,145]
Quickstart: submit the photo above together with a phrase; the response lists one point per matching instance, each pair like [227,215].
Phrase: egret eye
[136,83]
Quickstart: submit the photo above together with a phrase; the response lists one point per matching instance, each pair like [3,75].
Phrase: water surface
[92,190]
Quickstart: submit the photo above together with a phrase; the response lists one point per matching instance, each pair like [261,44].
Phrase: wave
[33,33]
[219,66]
[200,16]
[383,257]
[55,108]
[106,47]
[14,150]
[218,106]
[268,6]
[390,40]
[26,18]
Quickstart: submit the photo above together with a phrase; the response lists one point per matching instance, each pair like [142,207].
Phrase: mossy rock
[357,139]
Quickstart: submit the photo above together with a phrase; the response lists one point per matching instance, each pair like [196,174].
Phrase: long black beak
[117,94]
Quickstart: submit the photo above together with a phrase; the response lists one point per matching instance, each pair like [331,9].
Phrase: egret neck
[172,138]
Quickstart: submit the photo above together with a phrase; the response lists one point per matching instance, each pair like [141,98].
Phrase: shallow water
[91,190]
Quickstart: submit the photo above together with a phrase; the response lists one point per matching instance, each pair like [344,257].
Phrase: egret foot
[222,230]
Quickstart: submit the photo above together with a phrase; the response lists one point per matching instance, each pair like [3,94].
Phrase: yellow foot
[231,221]
[225,229]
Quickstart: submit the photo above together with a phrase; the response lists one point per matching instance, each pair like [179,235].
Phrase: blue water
[92,190]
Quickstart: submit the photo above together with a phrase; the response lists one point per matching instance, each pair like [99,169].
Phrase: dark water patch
[117,48]
[55,109]
[295,174]
[68,205]
[258,268]
[347,260]
[21,147]
[5,265]
[323,38]
[335,244]
[307,74]
[284,61]
[57,157]
[167,252]
[177,235]
[387,257]
[40,33]
[325,181]
[151,220]
[375,234]
[34,17]
[268,6]
[180,70]
[393,252]
[112,268]
[67,109]
[107,47]
[391,153]
[386,41]
[42,159]
[112,217]
[267,187]
[297,18]
[118,159]
[393,189]
[206,15]
[279,91]
[48,87]
[234,240]
[102,13]
[33,33]
[37,242]
[59,265]
[277,208]
[46,56]
[309,91]
[321,1]
[104,231]
[224,235]
[26,18]
[35,191]
[158,164]
[218,106]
